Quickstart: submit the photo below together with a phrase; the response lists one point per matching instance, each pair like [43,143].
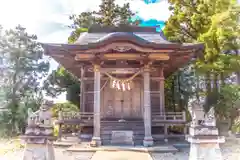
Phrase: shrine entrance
[120,104]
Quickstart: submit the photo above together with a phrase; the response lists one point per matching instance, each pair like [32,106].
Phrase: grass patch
[10,145]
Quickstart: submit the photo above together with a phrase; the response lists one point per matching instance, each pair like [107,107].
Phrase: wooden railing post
[184,116]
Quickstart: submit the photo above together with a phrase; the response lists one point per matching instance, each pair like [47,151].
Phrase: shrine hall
[121,72]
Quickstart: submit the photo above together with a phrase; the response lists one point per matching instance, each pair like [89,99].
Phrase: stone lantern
[39,135]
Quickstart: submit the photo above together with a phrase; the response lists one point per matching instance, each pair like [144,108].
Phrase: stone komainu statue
[199,117]
[41,117]
[39,135]
[196,111]
[209,118]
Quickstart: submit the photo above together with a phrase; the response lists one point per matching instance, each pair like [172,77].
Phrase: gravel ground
[230,151]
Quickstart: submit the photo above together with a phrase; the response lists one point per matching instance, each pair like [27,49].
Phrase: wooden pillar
[148,140]
[161,88]
[82,92]
[96,140]
[162,101]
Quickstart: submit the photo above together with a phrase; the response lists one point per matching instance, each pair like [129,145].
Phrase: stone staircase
[136,126]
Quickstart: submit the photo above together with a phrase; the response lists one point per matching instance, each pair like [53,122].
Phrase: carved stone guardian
[203,134]
[39,135]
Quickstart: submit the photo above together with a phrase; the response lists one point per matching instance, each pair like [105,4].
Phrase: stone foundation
[205,152]
[148,142]
[96,141]
[39,152]
[204,143]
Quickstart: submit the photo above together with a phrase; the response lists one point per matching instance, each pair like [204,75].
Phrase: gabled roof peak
[121,28]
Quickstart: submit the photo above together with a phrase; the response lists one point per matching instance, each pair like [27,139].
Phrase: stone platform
[156,149]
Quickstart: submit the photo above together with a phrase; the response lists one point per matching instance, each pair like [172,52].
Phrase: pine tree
[24,68]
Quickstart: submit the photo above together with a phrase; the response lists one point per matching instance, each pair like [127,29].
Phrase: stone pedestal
[204,142]
[122,138]
[38,147]
[148,141]
[41,151]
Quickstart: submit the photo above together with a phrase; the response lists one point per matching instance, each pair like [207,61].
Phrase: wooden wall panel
[89,96]
[136,100]
[155,96]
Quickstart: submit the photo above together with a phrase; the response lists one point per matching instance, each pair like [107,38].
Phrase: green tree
[228,104]
[215,24]
[109,13]
[60,81]
[24,69]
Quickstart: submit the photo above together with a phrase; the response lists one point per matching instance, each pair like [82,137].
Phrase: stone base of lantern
[39,152]
[38,148]
[204,143]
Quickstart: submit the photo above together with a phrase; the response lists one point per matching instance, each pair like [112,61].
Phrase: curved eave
[65,53]
[51,49]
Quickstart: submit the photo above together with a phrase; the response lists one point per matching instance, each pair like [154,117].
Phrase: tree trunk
[208,91]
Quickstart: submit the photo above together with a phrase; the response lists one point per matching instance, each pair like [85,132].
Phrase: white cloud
[49,18]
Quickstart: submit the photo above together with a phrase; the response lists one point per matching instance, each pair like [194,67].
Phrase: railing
[169,117]
[75,116]
[72,122]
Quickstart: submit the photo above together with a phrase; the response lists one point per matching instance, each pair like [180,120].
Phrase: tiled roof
[88,38]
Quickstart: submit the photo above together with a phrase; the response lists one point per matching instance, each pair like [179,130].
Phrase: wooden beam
[158,56]
[84,57]
[106,78]
[123,56]
[119,69]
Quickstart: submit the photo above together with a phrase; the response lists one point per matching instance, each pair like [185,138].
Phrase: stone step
[67,141]
[122,123]
[115,125]
[121,128]
[135,132]
[108,126]
[108,142]
[134,136]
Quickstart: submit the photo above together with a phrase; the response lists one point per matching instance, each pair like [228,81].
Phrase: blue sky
[48,19]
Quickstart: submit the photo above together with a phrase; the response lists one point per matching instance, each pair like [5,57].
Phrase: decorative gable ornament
[122,48]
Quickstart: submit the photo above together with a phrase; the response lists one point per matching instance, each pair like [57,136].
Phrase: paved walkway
[120,155]
[230,150]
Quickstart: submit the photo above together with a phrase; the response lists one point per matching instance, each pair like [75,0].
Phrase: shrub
[65,107]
